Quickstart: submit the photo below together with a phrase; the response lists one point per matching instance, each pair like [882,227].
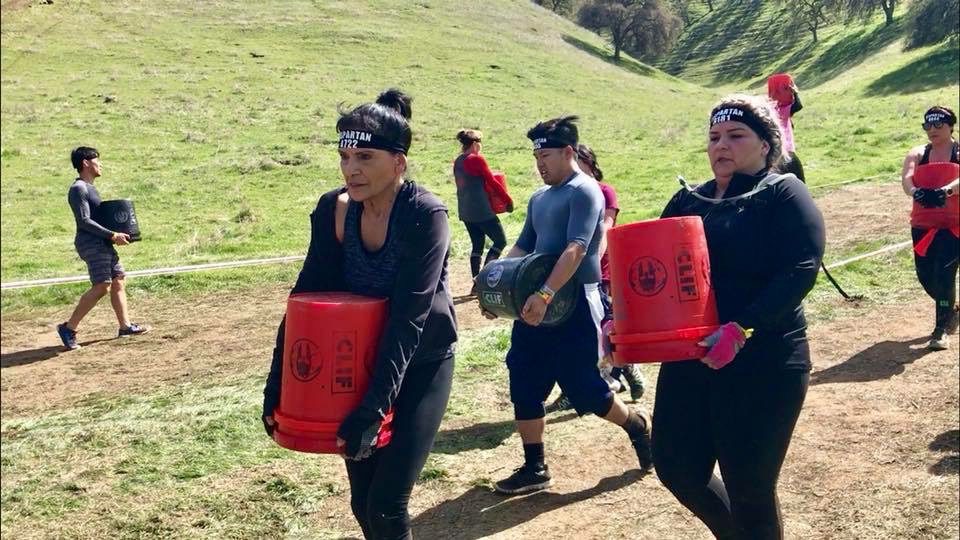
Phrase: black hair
[81,153]
[585,153]
[562,130]
[951,116]
[468,137]
[387,118]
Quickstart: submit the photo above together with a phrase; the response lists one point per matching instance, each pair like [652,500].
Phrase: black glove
[270,402]
[920,195]
[937,198]
[360,430]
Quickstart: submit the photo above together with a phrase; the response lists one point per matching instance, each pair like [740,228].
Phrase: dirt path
[875,454]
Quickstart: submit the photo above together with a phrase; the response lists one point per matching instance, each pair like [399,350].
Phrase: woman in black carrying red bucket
[384,236]
[931,176]
[739,404]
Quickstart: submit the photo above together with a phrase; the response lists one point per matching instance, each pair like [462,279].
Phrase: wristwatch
[950,192]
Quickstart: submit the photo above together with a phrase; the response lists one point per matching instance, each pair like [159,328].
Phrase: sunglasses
[927,126]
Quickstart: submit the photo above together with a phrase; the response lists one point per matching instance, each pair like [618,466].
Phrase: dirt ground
[875,453]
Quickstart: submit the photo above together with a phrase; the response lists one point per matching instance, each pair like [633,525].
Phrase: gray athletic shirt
[84,200]
[569,212]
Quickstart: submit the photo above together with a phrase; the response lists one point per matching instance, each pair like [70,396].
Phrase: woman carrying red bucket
[930,177]
[380,236]
[739,404]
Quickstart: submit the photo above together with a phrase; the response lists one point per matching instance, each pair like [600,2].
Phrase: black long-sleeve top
[765,253]
[421,325]
[84,200]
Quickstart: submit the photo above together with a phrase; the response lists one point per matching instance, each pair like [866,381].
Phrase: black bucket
[504,285]
[119,216]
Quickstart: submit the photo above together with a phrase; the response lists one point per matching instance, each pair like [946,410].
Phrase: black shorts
[567,355]
[103,263]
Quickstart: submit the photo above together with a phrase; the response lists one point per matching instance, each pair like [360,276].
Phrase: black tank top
[372,273]
[954,154]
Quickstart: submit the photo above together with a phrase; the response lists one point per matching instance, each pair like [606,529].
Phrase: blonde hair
[762,108]
[468,137]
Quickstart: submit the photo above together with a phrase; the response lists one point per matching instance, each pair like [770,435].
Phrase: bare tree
[866,8]
[557,6]
[643,26]
[809,13]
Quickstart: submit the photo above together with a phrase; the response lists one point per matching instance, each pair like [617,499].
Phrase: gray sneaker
[938,341]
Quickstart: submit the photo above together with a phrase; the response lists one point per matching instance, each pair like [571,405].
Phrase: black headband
[364,139]
[547,142]
[938,116]
[739,114]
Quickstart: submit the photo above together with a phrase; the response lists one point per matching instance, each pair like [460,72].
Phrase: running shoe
[526,479]
[133,330]
[68,337]
[562,403]
[641,443]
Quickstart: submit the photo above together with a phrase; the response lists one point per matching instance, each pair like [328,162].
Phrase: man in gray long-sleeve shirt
[94,244]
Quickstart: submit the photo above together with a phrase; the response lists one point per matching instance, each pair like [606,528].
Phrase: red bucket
[778,88]
[663,302]
[329,351]
[933,176]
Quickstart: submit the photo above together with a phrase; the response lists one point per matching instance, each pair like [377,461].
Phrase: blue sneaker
[68,337]
[133,330]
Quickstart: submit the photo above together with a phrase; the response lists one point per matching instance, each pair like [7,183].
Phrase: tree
[866,8]
[931,21]
[809,13]
[642,26]
[557,6]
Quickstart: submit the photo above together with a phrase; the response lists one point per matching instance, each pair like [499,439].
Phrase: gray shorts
[103,263]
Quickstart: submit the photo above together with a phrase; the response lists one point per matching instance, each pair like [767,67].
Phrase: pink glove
[724,344]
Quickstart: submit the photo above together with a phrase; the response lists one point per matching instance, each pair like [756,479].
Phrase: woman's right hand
[120,239]
[269,425]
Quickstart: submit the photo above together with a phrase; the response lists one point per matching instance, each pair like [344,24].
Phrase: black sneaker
[68,337]
[562,403]
[641,444]
[526,479]
[634,378]
[133,330]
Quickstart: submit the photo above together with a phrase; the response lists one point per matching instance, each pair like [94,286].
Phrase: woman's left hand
[534,310]
[724,344]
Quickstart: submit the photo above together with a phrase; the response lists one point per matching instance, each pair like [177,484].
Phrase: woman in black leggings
[384,236]
[739,404]
[470,171]
[935,221]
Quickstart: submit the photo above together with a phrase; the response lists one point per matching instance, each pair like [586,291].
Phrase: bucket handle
[317,427]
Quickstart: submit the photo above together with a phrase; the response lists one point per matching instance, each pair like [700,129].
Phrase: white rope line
[892,247]
[845,182]
[290,258]
[154,271]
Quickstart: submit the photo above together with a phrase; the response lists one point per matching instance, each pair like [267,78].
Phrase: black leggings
[937,272]
[380,485]
[479,231]
[742,419]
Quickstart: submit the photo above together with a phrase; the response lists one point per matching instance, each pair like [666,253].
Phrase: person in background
[384,236]
[94,245]
[470,171]
[738,405]
[935,222]
[563,218]
[787,103]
